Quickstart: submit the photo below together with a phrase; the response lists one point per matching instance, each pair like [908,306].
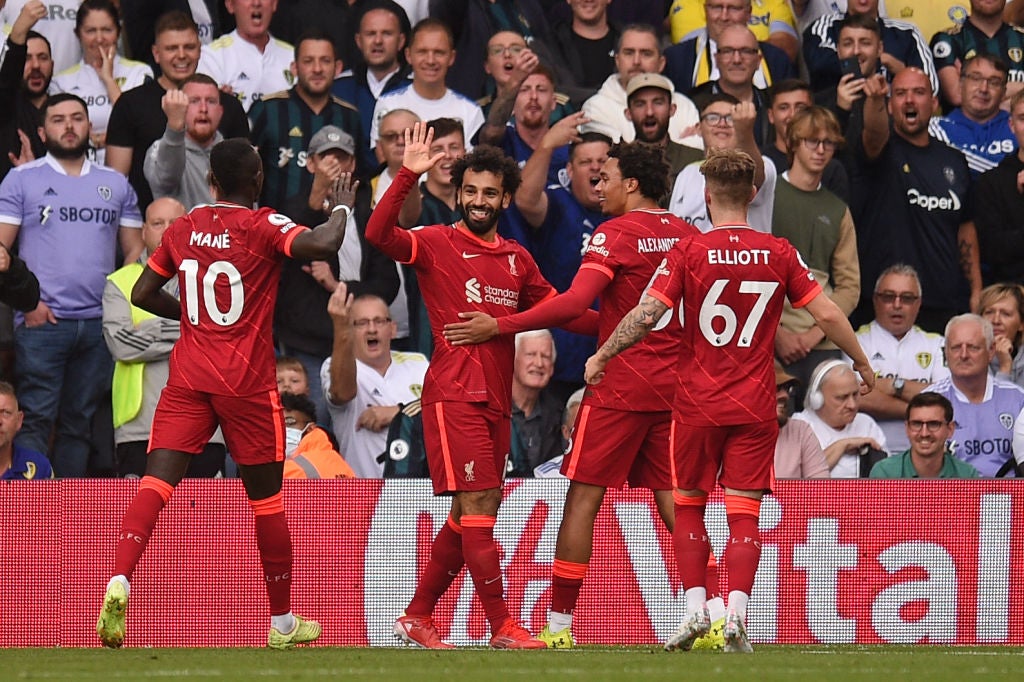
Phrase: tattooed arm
[967,241]
[633,327]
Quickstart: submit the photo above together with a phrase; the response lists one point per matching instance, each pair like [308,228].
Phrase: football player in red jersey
[729,285]
[467,389]
[227,258]
[621,432]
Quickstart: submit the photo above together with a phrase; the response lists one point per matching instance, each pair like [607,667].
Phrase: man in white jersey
[249,60]
[431,54]
[364,381]
[905,357]
[726,123]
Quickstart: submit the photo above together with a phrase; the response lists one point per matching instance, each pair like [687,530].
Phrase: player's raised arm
[633,327]
[382,230]
[324,241]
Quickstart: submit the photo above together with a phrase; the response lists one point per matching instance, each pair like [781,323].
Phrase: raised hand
[340,303]
[523,66]
[744,115]
[477,328]
[565,131]
[175,104]
[876,86]
[417,156]
[32,12]
[343,191]
[25,155]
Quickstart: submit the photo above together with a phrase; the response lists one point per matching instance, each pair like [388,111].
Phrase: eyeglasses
[889,297]
[717,8]
[931,426]
[390,138]
[365,322]
[713,119]
[730,52]
[812,144]
[977,79]
[498,50]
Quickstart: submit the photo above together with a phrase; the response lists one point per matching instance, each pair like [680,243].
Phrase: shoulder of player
[408,358]
[900,25]
[456,96]
[345,104]
[70,71]
[222,43]
[1007,386]
[275,97]
[31,165]
[133,65]
[398,92]
[282,45]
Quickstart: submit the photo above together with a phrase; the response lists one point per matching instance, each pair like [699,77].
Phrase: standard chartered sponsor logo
[930,203]
[506,297]
[473,291]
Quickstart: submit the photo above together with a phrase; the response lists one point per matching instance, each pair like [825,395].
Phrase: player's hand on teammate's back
[417,156]
[477,328]
[340,302]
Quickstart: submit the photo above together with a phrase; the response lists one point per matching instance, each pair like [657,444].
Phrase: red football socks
[444,566]
[138,523]
[743,552]
[275,545]
[566,582]
[690,540]
[482,560]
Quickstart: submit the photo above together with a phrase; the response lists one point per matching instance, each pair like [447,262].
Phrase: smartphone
[850,65]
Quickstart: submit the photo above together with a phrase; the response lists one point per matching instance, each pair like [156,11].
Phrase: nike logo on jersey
[492,580]
[467,256]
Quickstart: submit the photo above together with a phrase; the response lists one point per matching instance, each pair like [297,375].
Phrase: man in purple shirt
[67,215]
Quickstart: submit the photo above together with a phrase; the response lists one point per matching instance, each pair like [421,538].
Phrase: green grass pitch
[593,664]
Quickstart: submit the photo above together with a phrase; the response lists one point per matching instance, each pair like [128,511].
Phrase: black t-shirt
[137,121]
[598,57]
[908,206]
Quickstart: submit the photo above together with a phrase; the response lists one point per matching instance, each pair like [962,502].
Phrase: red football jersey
[228,262]
[629,249]
[733,282]
[457,272]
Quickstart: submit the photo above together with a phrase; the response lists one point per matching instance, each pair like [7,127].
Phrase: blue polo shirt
[28,465]
[558,246]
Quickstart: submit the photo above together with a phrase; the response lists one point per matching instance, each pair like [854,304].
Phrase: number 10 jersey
[228,262]
[733,282]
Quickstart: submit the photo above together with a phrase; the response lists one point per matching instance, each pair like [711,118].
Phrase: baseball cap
[331,137]
[649,80]
[782,378]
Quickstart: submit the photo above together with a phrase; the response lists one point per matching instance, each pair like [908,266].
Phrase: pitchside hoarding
[842,562]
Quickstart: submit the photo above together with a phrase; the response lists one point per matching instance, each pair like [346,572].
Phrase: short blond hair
[729,176]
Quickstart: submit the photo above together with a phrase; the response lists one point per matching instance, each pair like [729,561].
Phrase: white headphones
[815,399]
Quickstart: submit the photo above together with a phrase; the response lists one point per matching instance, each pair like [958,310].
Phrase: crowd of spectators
[888,149]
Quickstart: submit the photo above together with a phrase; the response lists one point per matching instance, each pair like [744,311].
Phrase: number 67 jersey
[732,283]
[228,262]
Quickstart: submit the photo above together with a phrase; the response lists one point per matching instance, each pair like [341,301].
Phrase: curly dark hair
[234,165]
[646,164]
[484,157]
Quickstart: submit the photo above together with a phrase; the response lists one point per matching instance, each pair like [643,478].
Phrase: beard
[55,148]
[660,134]
[478,227]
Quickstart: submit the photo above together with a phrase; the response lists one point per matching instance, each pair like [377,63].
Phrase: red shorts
[743,453]
[253,425]
[467,445]
[610,447]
